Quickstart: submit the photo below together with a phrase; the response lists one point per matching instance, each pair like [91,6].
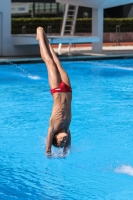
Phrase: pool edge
[65,58]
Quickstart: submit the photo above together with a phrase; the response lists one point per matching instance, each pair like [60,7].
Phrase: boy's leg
[53,72]
[63,74]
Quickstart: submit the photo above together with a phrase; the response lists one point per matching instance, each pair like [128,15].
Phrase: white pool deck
[79,53]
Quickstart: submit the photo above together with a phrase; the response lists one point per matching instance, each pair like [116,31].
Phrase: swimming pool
[100,164]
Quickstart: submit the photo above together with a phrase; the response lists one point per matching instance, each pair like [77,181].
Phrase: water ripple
[125,169]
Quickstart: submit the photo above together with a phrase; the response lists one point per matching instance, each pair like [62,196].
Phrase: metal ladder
[69,22]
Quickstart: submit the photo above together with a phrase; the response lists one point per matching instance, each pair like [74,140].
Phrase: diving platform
[20,40]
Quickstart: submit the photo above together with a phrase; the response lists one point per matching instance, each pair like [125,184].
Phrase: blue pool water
[100,164]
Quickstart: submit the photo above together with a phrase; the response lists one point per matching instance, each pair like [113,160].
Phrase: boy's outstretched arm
[68,143]
[49,140]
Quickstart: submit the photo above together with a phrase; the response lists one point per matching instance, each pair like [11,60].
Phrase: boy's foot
[39,33]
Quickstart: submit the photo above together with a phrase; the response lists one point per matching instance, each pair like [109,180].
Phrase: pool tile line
[65,58]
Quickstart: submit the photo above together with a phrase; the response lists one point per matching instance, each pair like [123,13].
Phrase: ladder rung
[70,15]
[68,25]
[71,10]
[69,20]
[66,31]
[71,6]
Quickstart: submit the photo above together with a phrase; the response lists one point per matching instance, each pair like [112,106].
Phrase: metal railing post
[23,29]
[117,35]
[49,29]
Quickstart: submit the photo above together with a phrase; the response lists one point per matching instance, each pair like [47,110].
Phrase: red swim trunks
[61,88]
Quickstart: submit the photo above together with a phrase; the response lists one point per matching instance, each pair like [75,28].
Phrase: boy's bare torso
[61,112]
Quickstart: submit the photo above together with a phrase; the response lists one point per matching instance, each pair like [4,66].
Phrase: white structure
[97,15]
[7,47]
[20,8]
[13,46]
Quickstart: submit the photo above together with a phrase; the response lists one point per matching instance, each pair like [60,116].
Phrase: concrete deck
[79,53]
